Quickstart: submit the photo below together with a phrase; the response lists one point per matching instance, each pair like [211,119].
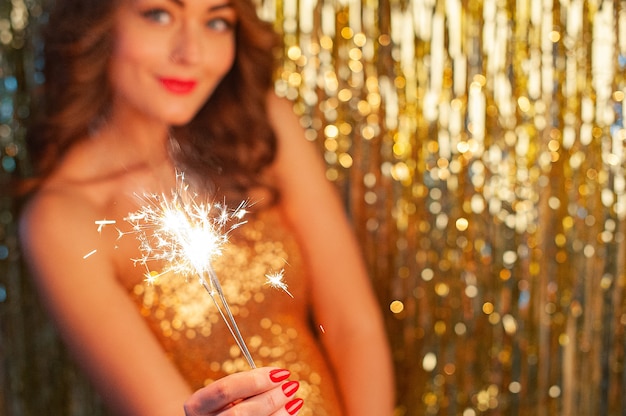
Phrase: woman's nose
[187,44]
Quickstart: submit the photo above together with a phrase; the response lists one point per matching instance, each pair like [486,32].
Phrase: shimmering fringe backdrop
[480,148]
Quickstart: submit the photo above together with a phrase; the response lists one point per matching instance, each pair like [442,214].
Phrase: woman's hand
[259,392]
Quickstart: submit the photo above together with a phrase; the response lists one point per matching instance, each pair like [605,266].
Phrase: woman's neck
[119,147]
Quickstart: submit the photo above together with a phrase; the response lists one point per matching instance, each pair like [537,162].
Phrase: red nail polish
[279,375]
[290,388]
[293,406]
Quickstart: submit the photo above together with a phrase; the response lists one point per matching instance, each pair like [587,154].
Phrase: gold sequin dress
[275,325]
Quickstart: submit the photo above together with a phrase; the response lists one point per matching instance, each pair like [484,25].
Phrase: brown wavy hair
[226,146]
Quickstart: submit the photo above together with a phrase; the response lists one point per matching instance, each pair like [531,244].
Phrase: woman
[136,91]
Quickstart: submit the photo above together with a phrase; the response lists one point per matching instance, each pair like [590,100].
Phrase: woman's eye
[158,16]
[220,24]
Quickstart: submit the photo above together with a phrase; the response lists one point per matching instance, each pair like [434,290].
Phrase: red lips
[178,86]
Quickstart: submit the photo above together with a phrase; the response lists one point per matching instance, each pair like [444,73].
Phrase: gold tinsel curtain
[480,149]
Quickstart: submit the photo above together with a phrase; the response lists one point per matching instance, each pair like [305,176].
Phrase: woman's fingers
[275,402]
[258,392]
[292,408]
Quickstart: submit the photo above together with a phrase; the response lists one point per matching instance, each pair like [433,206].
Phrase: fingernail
[290,388]
[279,375]
[294,406]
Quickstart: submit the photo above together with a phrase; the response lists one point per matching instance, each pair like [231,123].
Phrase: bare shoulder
[294,150]
[57,223]
[285,122]
[299,166]
[51,208]
[278,106]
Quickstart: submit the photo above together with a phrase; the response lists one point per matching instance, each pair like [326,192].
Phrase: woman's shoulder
[281,114]
[295,154]
[55,210]
[286,125]
[70,194]
[276,103]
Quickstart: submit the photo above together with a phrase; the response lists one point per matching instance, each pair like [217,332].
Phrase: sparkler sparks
[102,223]
[187,235]
[275,279]
[91,253]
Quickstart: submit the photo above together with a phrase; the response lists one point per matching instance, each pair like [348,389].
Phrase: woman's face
[169,56]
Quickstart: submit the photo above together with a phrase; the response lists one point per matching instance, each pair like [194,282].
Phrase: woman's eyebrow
[225,5]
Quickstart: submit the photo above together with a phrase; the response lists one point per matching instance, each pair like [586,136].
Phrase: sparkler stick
[185,234]
[224,310]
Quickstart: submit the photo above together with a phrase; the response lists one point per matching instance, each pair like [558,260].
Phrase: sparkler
[275,279]
[188,234]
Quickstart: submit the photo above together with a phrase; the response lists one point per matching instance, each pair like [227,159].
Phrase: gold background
[479,147]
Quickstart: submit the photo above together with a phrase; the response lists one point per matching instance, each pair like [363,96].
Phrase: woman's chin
[182,120]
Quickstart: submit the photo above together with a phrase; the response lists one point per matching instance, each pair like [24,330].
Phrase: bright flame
[185,234]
